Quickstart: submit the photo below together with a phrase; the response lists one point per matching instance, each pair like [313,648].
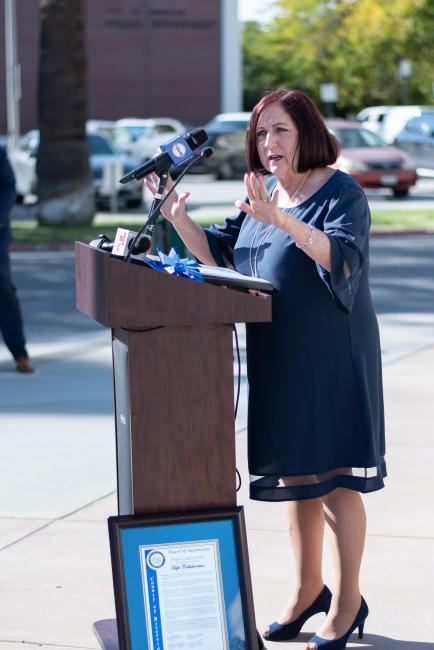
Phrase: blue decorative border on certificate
[154,602]
[131,538]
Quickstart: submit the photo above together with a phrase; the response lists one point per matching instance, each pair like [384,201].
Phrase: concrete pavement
[57,475]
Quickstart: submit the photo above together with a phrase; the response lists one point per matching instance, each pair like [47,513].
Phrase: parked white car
[388,121]
[141,138]
[106,127]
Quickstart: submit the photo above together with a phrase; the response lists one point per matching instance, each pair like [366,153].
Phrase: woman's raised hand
[260,206]
[174,207]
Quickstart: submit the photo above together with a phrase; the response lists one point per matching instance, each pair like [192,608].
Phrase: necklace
[253,258]
[299,186]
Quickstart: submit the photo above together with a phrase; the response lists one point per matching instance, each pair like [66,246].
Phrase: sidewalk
[57,478]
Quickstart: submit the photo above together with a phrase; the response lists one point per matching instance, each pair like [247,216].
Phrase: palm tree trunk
[65,191]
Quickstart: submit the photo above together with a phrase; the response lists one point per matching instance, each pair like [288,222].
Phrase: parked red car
[370,161]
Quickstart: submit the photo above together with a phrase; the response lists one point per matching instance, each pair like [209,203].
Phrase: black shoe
[288,631]
[341,643]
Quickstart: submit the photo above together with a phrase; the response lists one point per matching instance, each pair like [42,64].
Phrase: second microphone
[174,152]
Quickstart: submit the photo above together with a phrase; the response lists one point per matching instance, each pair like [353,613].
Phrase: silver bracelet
[309,240]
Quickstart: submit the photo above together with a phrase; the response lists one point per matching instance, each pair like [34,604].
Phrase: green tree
[65,191]
[356,44]
[259,70]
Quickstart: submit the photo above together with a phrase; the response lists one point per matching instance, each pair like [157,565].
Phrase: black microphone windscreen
[142,245]
[196,137]
[207,152]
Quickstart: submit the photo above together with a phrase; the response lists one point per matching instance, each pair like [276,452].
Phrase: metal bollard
[112,172]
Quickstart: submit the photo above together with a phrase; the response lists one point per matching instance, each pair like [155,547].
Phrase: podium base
[107,634]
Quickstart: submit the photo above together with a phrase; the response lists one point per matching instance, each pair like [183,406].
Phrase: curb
[48,246]
[379,232]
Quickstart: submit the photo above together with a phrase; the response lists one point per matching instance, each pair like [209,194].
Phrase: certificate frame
[223,529]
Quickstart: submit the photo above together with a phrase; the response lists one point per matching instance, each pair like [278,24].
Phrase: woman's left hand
[260,206]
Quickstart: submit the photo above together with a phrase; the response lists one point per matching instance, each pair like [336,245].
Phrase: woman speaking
[315,419]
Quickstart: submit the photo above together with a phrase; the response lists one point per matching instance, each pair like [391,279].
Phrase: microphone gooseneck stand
[141,244]
[148,227]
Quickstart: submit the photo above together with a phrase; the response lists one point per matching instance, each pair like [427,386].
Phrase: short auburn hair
[317,147]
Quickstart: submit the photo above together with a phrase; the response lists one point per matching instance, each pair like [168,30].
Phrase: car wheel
[400,192]
[225,171]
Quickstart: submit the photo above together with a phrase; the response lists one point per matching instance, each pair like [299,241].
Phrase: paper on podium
[223,275]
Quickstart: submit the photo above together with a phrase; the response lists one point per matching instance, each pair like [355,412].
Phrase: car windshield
[225,125]
[98,145]
[355,138]
[427,120]
[128,134]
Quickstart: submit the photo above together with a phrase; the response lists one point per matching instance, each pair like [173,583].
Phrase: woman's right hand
[174,208]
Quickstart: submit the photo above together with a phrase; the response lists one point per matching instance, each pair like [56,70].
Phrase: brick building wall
[145,58]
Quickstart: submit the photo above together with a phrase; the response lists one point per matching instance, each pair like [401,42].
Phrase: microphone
[134,243]
[176,151]
[143,240]
[102,242]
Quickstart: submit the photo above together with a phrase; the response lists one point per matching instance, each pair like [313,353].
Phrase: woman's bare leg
[306,532]
[346,520]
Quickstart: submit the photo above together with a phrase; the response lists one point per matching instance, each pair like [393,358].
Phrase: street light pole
[328,93]
[13,76]
[404,73]
[231,73]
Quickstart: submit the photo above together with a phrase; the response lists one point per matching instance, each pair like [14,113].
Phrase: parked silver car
[417,139]
[388,121]
[227,136]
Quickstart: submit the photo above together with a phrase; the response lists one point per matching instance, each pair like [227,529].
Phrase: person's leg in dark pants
[11,323]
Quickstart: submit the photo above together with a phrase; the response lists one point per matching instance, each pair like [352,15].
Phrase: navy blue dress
[315,417]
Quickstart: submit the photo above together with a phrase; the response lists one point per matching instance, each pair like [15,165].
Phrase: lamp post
[404,73]
[328,93]
[13,75]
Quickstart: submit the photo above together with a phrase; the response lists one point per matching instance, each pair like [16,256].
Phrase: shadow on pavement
[378,642]
[402,274]
[46,289]
[71,380]
[68,386]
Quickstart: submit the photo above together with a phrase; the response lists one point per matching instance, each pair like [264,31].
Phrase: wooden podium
[173,380]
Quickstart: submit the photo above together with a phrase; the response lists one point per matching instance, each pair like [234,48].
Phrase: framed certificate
[182,581]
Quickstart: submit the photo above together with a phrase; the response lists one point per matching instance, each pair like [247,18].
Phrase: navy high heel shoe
[341,643]
[288,631]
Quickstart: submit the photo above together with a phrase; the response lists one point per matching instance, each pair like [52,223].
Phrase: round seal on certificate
[155,560]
